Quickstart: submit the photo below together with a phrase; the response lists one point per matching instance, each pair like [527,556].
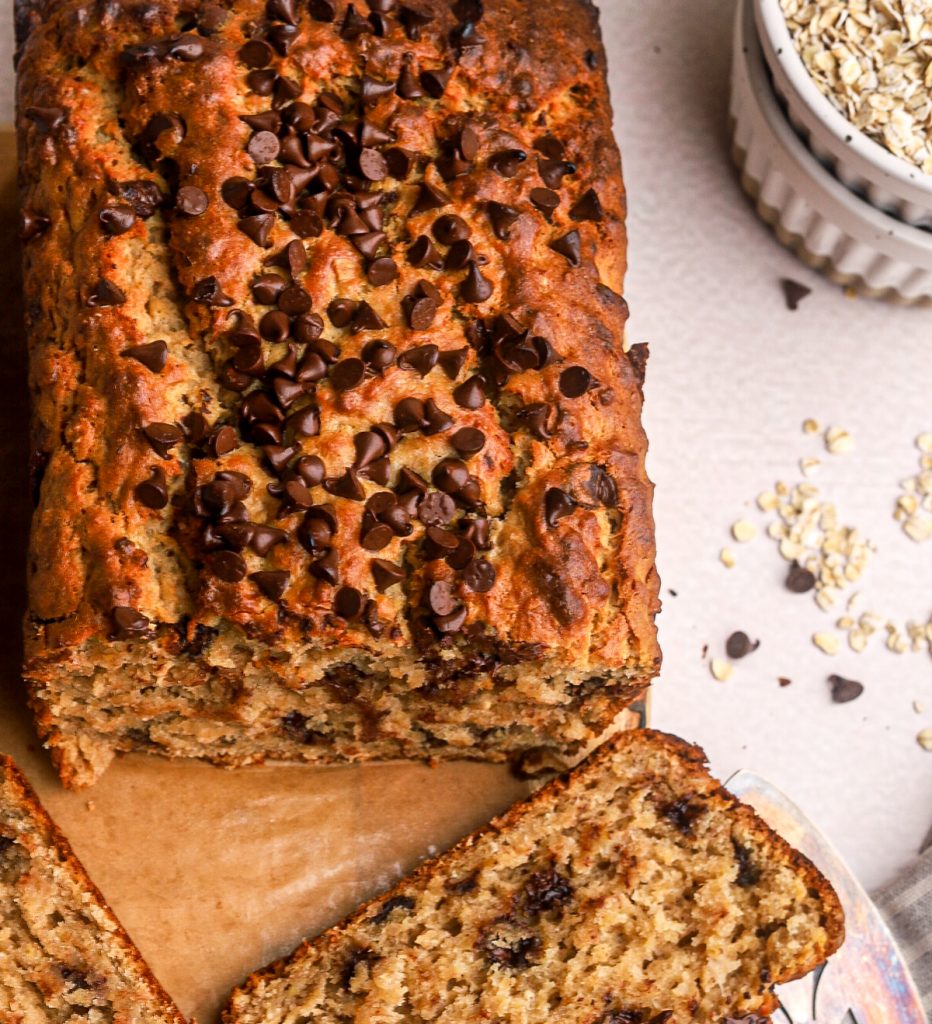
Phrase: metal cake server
[866,981]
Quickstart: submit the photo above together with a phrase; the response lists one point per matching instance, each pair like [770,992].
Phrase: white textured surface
[731,377]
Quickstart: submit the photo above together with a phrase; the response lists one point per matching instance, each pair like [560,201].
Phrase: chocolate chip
[568,245]
[263,147]
[422,253]
[153,492]
[507,161]
[381,271]
[257,227]
[450,475]
[436,509]
[128,623]
[326,568]
[587,207]
[469,394]
[311,469]
[153,355]
[799,580]
[46,119]
[399,162]
[294,300]
[453,622]
[501,217]
[557,505]
[552,171]
[348,374]
[354,24]
[475,287]
[341,311]
[844,690]
[740,644]
[346,486]
[272,582]
[266,288]
[32,224]
[322,10]
[307,224]
[222,441]
[545,199]
[450,228]
[256,54]
[162,437]
[422,359]
[439,543]
[117,220]
[372,165]
[576,381]
[452,361]
[409,415]
[436,419]
[227,566]
[440,598]
[369,446]
[421,313]
[429,198]
[348,603]
[479,576]
[793,292]
[378,355]
[378,537]
[385,574]
[208,290]
[435,82]
[366,319]
[459,255]
[105,293]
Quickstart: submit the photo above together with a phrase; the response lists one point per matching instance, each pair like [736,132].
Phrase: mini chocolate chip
[191,200]
[844,690]
[545,199]
[587,207]
[429,198]
[105,293]
[385,574]
[479,576]
[272,582]
[436,509]
[263,147]
[557,505]
[421,313]
[568,245]
[163,437]
[450,475]
[117,220]
[128,623]
[475,287]
[793,292]
[740,644]
[469,394]
[468,440]
[381,271]
[422,359]
[348,374]
[348,603]
[450,228]
[153,355]
[153,492]
[452,361]
[799,580]
[575,381]
[227,566]
[501,217]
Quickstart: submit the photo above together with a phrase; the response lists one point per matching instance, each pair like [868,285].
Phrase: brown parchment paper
[213,873]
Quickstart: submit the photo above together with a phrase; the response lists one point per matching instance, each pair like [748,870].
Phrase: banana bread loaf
[336,441]
[632,891]
[64,959]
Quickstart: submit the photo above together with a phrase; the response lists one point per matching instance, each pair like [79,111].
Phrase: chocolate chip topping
[501,218]
[153,492]
[450,228]
[568,245]
[117,220]
[385,574]
[475,287]
[381,271]
[105,293]
[575,381]
[163,437]
[587,207]
[436,509]
[429,198]
[348,374]
[348,603]
[227,566]
[479,575]
[153,355]
[272,582]
[191,201]
[422,359]
[128,623]
[470,394]
[557,505]
[545,199]
[263,147]
[468,440]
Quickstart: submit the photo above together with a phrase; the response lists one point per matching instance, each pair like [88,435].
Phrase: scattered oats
[838,441]
[924,441]
[918,707]
[721,670]
[825,597]
[845,622]
[924,739]
[857,640]
[767,501]
[811,426]
[727,557]
[828,643]
[743,531]
[808,465]
[913,508]
[791,550]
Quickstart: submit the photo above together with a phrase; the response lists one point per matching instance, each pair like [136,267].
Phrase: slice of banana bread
[64,958]
[633,890]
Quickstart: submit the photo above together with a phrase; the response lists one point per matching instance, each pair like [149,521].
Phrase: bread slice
[634,890]
[64,957]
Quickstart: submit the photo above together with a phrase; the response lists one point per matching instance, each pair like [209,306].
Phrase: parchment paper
[213,873]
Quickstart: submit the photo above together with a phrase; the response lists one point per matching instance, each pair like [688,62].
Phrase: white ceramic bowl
[827,224]
[887,181]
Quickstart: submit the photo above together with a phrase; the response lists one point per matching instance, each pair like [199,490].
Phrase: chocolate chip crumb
[844,690]
[740,644]
[793,292]
[799,580]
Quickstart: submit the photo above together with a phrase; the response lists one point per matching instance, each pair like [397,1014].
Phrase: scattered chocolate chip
[435,82]
[263,147]
[569,246]
[143,196]
[793,292]
[46,119]
[422,358]
[348,603]
[227,566]
[436,509]
[440,598]
[369,446]
[479,576]
[739,644]
[128,623]
[545,199]
[372,165]
[222,441]
[683,813]
[470,394]
[153,492]
[552,171]
[475,287]
[429,198]
[272,582]
[191,201]
[348,374]
[799,580]
[450,228]
[784,681]
[844,690]
[385,574]
[575,381]
[450,475]
[346,486]
[366,319]
[117,220]
[378,537]
[294,300]
[381,271]
[507,161]
[436,420]
[587,207]
[326,568]
[153,355]
[258,228]
[557,505]
[421,313]
[452,361]
[32,224]
[501,217]
[162,437]
[208,290]
[322,10]
[105,293]
[468,440]
[256,54]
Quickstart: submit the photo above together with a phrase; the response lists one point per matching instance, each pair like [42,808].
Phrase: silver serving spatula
[866,981]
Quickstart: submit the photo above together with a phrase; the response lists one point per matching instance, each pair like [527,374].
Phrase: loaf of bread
[635,890]
[64,959]
[336,442]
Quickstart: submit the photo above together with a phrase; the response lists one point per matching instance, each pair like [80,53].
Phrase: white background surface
[731,377]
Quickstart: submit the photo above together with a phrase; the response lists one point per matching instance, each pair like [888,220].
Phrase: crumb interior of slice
[59,962]
[622,906]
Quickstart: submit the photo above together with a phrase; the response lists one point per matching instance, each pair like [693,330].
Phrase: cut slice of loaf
[633,890]
[64,957]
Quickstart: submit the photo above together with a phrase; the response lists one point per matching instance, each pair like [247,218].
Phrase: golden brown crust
[150,993]
[156,91]
[682,756]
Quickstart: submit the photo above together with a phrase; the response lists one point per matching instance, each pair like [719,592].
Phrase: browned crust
[28,802]
[550,795]
[92,546]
